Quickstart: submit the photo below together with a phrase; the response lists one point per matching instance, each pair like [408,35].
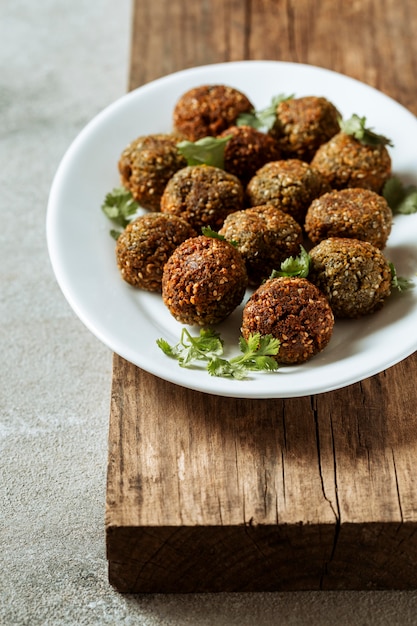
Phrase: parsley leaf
[257,353]
[263,118]
[115,233]
[119,206]
[399,282]
[190,349]
[401,198]
[298,266]
[207,231]
[355,126]
[205,151]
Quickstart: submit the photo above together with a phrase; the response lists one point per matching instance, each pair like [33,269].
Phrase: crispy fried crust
[354,213]
[353,274]
[146,244]
[207,110]
[147,164]
[265,236]
[346,162]
[203,195]
[302,125]
[290,184]
[204,280]
[294,311]
[247,150]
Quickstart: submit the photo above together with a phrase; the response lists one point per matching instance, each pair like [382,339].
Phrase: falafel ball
[290,184]
[265,236]
[347,162]
[147,164]
[353,212]
[247,150]
[207,110]
[145,245]
[353,274]
[203,195]
[204,280]
[303,124]
[294,311]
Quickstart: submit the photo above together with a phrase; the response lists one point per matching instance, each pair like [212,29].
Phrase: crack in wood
[255,543]
[334,507]
[335,511]
[276,509]
[220,510]
[283,475]
[397,485]
[265,494]
[237,465]
[152,560]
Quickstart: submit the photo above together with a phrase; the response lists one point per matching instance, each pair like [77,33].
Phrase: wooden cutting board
[220,494]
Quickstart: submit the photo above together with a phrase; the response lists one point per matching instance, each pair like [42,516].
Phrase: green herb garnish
[115,233]
[119,206]
[205,151]
[399,282]
[207,231]
[355,126]
[190,349]
[401,198]
[257,353]
[294,266]
[264,118]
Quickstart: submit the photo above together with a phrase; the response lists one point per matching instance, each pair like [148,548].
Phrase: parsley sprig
[294,266]
[263,118]
[205,151]
[257,353]
[399,282]
[356,126]
[207,231]
[119,206]
[401,198]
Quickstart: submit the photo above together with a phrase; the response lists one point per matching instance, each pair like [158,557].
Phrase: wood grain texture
[371,40]
[212,494]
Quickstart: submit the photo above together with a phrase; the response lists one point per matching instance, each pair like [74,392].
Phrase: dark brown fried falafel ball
[346,162]
[147,164]
[207,110]
[290,184]
[294,311]
[265,236]
[247,150]
[204,280]
[355,213]
[304,124]
[203,195]
[353,274]
[146,244]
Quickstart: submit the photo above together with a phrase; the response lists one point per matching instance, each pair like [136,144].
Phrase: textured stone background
[60,63]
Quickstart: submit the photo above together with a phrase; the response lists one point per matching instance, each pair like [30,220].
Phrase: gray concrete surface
[61,63]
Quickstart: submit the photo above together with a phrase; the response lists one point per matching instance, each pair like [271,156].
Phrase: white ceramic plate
[129,321]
